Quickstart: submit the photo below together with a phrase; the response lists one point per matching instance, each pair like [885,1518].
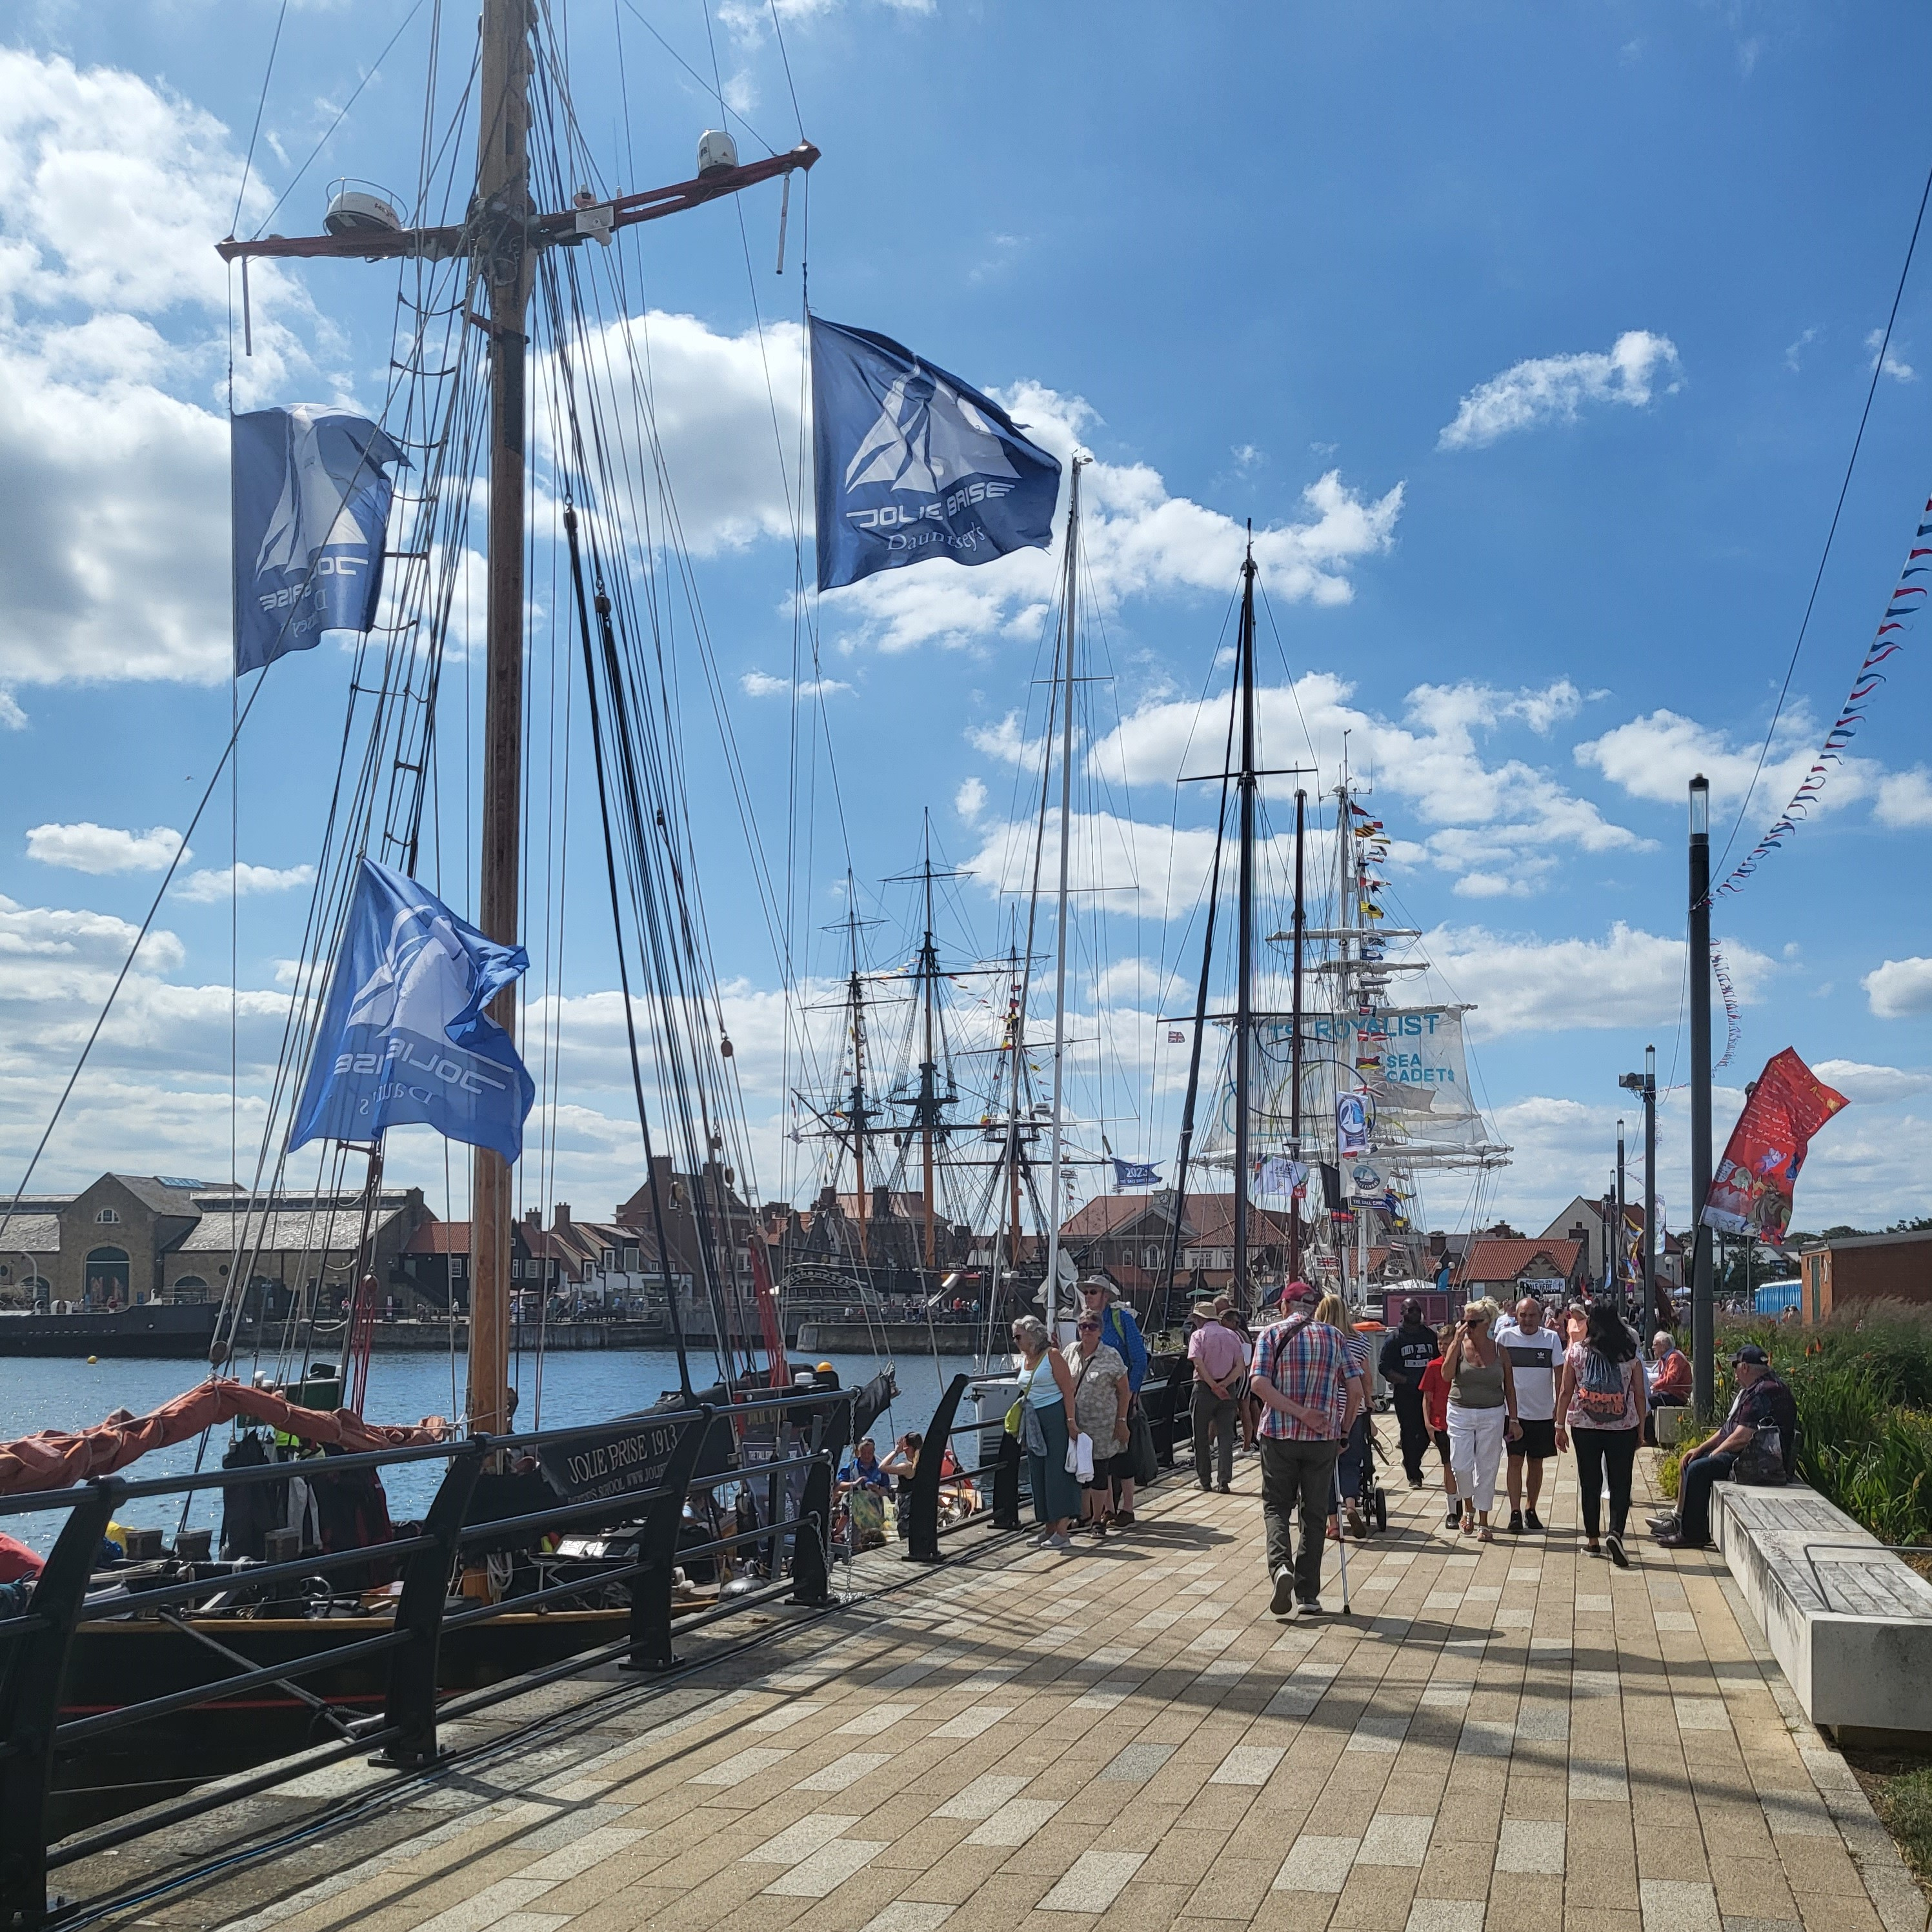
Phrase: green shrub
[1862,1383]
[1693,1439]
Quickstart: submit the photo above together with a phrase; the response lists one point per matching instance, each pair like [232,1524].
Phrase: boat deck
[1512,1738]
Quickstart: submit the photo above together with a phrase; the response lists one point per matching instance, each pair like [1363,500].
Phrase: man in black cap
[1762,1397]
[1406,1353]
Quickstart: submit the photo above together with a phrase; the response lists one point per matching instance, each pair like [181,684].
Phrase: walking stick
[1341,1541]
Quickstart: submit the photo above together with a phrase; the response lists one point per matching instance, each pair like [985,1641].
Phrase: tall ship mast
[1331,1114]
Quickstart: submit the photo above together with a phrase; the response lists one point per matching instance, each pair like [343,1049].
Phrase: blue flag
[1133,1174]
[911,463]
[404,1037]
[310,490]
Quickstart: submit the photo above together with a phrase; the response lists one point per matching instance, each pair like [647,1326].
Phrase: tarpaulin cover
[53,1458]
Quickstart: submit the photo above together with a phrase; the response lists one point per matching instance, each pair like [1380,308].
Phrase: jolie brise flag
[1757,1179]
[404,1039]
[310,489]
[910,462]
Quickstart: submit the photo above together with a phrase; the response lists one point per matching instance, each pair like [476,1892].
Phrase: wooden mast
[1244,963]
[503,265]
[502,234]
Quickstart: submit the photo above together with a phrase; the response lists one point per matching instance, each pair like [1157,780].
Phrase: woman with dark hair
[1600,1404]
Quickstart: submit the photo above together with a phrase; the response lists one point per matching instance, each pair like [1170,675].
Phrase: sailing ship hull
[118,1663]
[151,1330]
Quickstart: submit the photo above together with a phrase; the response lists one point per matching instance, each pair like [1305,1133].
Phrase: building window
[611,1259]
[107,1217]
[456,1267]
[630,1260]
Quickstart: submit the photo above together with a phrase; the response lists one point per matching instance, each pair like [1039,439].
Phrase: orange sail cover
[55,1458]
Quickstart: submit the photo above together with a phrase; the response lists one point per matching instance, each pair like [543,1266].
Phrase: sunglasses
[1087,1328]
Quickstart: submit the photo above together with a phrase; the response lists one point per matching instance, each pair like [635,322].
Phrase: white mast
[1050,1290]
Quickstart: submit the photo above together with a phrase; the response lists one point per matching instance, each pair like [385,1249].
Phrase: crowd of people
[1499,1396]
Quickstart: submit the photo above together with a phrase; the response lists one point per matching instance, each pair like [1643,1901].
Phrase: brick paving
[1509,1739]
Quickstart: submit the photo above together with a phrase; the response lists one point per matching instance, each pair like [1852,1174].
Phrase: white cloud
[12,718]
[970,800]
[1793,355]
[218,882]
[88,847]
[1122,865]
[1905,799]
[1524,984]
[113,554]
[1899,370]
[1007,742]
[1136,540]
[1553,388]
[762,684]
[1872,1086]
[1499,826]
[1899,987]
[1655,758]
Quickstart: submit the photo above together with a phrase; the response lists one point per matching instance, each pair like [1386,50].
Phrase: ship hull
[150,1330]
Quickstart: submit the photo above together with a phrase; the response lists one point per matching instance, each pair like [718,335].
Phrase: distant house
[1509,1268]
[1586,1220]
[128,1238]
[1127,1237]
[1837,1275]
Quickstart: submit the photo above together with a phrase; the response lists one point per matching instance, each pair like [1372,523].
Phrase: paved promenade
[1515,1738]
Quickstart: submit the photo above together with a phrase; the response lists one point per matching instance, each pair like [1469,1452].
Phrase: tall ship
[1337,1098]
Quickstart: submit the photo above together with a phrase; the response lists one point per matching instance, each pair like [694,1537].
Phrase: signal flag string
[1889,640]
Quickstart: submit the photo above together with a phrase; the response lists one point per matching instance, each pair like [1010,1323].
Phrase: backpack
[1601,1391]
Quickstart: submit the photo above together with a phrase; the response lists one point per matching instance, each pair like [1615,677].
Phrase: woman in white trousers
[1482,1412]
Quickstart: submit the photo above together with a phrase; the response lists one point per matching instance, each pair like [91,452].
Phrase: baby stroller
[1371,1499]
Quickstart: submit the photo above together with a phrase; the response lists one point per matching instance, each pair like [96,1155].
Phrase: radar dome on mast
[360,207]
[716,150]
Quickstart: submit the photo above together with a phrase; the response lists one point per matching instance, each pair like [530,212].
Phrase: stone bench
[1849,1623]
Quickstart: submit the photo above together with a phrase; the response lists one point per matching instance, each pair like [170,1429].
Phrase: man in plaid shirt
[1310,1395]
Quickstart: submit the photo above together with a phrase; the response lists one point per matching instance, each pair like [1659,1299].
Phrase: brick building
[1838,1274]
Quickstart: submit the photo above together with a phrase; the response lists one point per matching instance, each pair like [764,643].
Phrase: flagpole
[1051,1291]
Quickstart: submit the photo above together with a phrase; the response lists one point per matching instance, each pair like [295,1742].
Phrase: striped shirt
[1307,1364]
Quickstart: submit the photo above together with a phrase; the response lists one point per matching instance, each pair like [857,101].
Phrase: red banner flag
[1756,1181]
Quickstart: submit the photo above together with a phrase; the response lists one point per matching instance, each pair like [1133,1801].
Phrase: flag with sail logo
[310,488]
[404,1037]
[910,462]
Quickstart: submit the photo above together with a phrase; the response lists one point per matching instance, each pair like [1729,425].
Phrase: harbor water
[570,1386]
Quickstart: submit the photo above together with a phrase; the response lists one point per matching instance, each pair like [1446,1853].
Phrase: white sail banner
[1408,1063]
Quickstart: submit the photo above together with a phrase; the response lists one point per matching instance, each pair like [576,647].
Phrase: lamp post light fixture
[1644,1085]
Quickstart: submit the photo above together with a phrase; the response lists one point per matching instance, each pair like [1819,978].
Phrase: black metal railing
[809,1433]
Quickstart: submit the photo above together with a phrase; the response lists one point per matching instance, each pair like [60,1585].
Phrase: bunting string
[1734,1025]
[1901,607]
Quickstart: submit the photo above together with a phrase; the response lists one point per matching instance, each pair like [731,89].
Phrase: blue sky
[1532,338]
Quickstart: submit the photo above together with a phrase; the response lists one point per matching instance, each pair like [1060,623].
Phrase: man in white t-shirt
[1535,1352]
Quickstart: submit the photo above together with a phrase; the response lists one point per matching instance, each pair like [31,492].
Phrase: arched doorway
[104,1279]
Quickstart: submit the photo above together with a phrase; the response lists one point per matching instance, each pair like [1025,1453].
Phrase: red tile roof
[1491,1260]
